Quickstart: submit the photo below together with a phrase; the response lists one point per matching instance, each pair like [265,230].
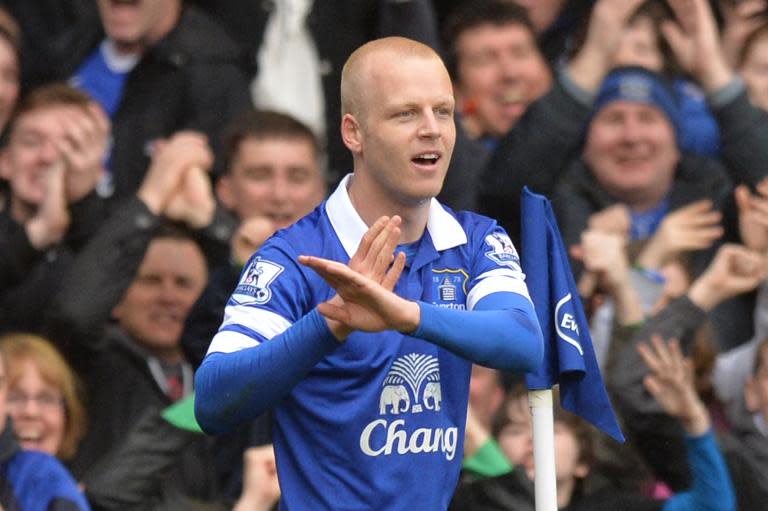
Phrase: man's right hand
[51,221]
[365,299]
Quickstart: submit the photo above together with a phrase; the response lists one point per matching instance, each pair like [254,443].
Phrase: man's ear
[581,471]
[750,395]
[224,192]
[350,133]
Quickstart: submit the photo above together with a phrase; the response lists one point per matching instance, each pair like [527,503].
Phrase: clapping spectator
[52,162]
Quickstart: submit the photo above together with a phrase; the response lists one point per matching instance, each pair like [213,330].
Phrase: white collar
[444,229]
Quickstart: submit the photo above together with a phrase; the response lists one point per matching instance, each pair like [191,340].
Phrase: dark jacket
[191,79]
[28,275]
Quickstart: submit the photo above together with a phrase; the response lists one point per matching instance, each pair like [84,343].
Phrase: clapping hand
[695,226]
[753,216]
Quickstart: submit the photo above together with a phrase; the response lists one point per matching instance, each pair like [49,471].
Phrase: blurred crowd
[149,147]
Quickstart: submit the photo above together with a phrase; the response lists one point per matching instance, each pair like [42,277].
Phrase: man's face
[277,178]
[500,72]
[407,132]
[155,306]
[516,442]
[754,70]
[38,411]
[134,23]
[632,153]
[32,149]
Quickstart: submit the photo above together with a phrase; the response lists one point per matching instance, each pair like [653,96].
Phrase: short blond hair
[356,69]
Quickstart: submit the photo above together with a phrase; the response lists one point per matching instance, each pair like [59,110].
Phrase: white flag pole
[545,483]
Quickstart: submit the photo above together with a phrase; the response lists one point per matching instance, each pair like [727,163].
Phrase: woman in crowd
[43,396]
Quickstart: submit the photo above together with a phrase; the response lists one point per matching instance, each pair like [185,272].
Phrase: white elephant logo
[432,390]
[394,396]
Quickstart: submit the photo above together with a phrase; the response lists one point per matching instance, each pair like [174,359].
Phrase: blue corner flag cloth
[569,358]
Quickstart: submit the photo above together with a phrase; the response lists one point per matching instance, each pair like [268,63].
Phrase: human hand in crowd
[671,383]
[192,202]
[249,236]
[607,267]
[739,20]
[365,299]
[613,219]
[51,220]
[475,434]
[695,226]
[607,22]
[261,489]
[734,270]
[82,148]
[169,178]
[695,40]
[753,216]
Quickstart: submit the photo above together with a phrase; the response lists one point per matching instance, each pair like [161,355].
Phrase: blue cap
[641,86]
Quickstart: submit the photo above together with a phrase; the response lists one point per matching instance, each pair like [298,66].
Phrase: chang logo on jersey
[412,386]
[255,280]
[450,288]
[502,251]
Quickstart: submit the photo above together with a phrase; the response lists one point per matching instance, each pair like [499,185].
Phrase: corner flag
[569,358]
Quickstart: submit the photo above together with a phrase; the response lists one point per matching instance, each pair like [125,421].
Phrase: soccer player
[363,355]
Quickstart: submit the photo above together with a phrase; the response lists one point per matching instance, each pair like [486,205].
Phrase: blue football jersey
[378,423]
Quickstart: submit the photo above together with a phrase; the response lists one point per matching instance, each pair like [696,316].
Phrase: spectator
[31,480]
[120,311]
[52,162]
[547,137]
[299,48]
[156,67]
[671,384]
[44,396]
[272,177]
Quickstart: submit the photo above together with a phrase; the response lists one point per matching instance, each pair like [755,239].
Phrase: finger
[704,218]
[366,241]
[662,352]
[338,276]
[653,386]
[762,188]
[393,275]
[649,357]
[676,39]
[741,194]
[382,250]
[751,9]
[334,312]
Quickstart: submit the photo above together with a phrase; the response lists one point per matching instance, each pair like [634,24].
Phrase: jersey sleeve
[270,296]
[495,267]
